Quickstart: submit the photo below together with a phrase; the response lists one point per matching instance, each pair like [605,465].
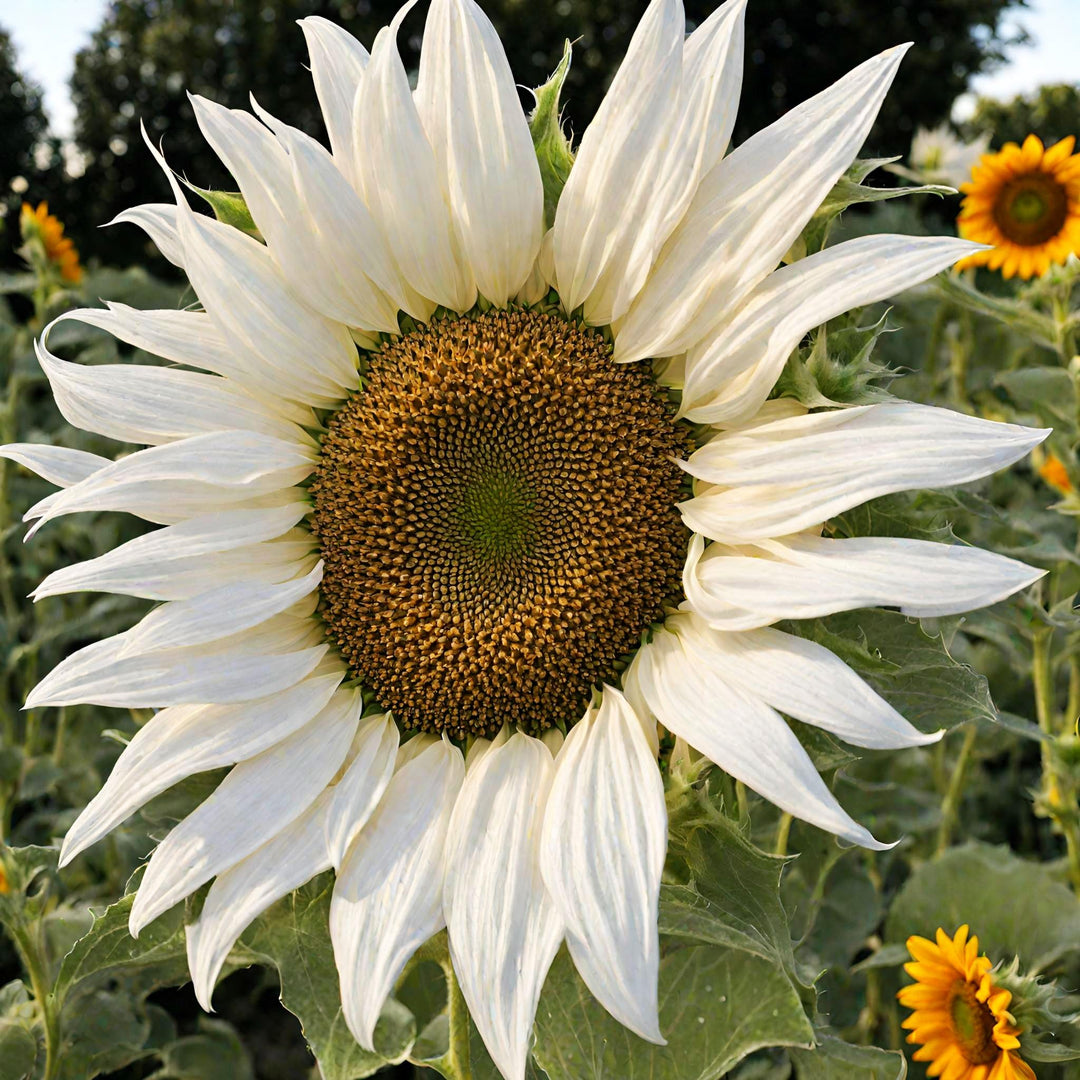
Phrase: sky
[48,33]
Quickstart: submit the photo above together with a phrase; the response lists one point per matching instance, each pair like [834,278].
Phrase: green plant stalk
[35,966]
[783,829]
[1063,324]
[1042,680]
[950,804]
[456,1063]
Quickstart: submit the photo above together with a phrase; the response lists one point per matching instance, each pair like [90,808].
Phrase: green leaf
[17,283]
[293,936]
[230,208]
[158,955]
[1044,392]
[215,1053]
[716,1006]
[908,663]
[22,897]
[104,1030]
[553,151]
[18,1050]
[720,889]
[1014,906]
[834,1059]
[102,986]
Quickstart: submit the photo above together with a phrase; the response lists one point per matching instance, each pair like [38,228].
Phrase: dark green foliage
[23,128]
[148,54]
[1051,112]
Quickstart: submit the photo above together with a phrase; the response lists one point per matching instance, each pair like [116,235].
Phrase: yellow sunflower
[960,1017]
[1025,202]
[59,249]
[1053,471]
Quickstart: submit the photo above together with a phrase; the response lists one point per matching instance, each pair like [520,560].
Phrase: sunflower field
[488,597]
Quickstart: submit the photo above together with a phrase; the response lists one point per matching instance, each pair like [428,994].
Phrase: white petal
[756,342]
[805,680]
[351,239]
[784,476]
[712,79]
[177,479]
[96,675]
[611,208]
[401,181]
[57,464]
[748,210]
[251,805]
[804,576]
[143,404]
[738,731]
[244,891]
[358,792]
[602,854]
[337,67]
[469,106]
[158,221]
[312,358]
[216,614]
[503,928]
[187,739]
[172,563]
[316,227]
[388,897]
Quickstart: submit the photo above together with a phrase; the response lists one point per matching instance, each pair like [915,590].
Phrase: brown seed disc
[1032,209]
[496,511]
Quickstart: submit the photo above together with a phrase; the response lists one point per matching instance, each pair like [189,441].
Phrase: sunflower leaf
[834,1059]
[908,662]
[717,1005]
[293,936]
[1021,909]
[719,888]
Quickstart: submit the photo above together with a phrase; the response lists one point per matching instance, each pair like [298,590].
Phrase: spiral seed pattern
[496,511]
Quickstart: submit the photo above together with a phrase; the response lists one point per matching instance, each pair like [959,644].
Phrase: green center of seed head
[496,515]
[1028,207]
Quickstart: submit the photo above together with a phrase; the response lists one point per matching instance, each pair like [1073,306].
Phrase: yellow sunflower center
[972,1024]
[1031,209]
[496,511]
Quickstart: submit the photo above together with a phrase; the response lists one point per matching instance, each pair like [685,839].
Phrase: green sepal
[230,208]
[552,147]
[838,368]
[1045,1014]
[850,190]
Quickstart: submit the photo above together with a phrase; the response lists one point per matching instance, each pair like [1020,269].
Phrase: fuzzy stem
[950,804]
[783,829]
[39,985]
[1054,786]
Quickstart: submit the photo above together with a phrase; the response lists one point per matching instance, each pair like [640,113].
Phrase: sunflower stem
[458,1056]
[1057,789]
[950,804]
[456,1063]
[783,829]
[34,962]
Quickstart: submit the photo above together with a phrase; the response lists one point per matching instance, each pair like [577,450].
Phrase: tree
[1051,112]
[149,53]
[28,163]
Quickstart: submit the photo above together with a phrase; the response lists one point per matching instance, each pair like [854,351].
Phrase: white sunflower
[423,497]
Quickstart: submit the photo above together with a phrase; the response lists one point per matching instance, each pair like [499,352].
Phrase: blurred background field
[989,783]
[136,60]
